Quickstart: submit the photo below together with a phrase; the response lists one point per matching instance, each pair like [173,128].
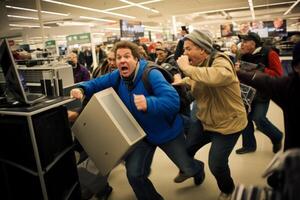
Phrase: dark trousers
[258,115]
[221,147]
[139,161]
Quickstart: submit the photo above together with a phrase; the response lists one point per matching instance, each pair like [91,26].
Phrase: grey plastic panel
[122,118]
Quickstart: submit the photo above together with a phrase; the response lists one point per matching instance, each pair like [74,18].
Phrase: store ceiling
[156,14]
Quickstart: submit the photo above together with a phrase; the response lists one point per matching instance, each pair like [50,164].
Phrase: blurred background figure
[107,66]
[143,51]
[179,49]
[278,24]
[100,55]
[80,73]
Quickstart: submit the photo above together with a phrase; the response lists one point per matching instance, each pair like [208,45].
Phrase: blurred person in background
[268,62]
[284,91]
[80,73]
[179,48]
[107,66]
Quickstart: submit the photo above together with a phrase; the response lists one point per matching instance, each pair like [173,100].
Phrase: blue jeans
[221,147]
[258,115]
[138,164]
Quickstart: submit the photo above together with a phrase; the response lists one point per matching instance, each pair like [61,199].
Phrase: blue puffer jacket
[161,121]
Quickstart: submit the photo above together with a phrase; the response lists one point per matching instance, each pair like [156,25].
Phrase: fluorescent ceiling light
[73,23]
[127,6]
[114,29]
[289,10]
[87,8]
[97,19]
[139,5]
[22,17]
[24,25]
[55,13]
[33,10]
[242,8]
[27,26]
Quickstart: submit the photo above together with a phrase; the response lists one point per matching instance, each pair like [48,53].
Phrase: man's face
[161,55]
[278,23]
[73,57]
[111,60]
[125,61]
[195,53]
[234,48]
[247,47]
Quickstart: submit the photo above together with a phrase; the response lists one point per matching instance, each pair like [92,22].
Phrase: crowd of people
[219,116]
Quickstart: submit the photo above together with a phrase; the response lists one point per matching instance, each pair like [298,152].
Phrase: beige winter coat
[218,96]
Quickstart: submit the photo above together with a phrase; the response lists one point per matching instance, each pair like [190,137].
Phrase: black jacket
[285,92]
[179,49]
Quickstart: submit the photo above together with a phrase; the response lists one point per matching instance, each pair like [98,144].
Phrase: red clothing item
[275,68]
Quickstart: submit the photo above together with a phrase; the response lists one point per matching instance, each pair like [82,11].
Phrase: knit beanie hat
[201,39]
[296,54]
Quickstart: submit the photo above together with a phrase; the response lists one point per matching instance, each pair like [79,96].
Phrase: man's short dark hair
[128,45]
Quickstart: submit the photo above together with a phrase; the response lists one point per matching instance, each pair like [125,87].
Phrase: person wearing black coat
[285,92]
[179,48]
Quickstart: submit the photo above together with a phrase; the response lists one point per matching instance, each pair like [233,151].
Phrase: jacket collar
[257,50]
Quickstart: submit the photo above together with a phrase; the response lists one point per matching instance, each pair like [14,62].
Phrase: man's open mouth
[124,69]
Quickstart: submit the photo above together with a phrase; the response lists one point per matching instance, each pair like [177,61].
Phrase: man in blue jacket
[157,114]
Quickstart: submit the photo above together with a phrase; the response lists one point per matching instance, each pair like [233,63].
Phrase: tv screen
[276,28]
[259,28]
[131,29]
[26,47]
[227,30]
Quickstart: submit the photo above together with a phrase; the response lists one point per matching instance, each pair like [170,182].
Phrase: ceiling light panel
[96,19]
[26,26]
[33,10]
[22,17]
[129,5]
[89,9]
[289,10]
[139,5]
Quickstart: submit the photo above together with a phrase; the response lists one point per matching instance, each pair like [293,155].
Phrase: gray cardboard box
[107,130]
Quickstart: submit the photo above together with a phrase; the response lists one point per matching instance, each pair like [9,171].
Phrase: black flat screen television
[227,30]
[131,29]
[276,28]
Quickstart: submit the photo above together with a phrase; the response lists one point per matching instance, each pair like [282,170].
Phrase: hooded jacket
[161,122]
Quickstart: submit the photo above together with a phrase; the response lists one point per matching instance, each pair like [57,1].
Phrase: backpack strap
[150,66]
[212,57]
[265,56]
